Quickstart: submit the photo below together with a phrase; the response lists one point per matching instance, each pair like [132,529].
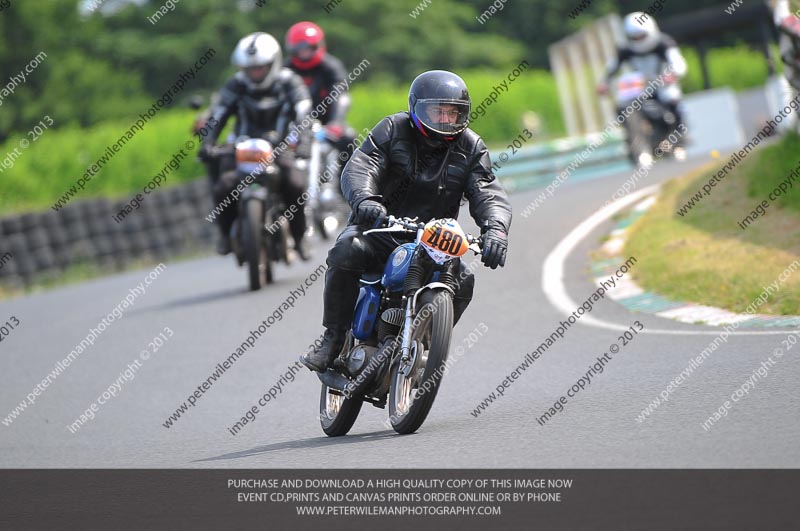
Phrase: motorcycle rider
[654,54]
[264,96]
[788,24]
[418,163]
[322,72]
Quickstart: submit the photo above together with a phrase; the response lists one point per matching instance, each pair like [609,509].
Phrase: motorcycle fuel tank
[366,312]
[394,273]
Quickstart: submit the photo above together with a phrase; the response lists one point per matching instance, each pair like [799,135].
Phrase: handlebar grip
[380,222]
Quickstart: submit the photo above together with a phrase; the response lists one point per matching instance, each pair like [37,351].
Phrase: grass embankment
[50,166]
[739,67]
[705,257]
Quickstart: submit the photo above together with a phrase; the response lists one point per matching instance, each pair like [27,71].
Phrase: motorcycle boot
[320,358]
[302,249]
[340,296]
[224,244]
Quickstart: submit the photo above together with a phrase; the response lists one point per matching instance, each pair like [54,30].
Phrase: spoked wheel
[319,224]
[282,243]
[255,251]
[414,385]
[337,413]
[640,152]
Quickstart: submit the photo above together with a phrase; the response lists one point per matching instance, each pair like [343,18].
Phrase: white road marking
[553,273]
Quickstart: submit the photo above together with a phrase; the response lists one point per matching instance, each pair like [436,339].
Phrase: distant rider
[322,72]
[654,54]
[418,163]
[264,96]
[788,24]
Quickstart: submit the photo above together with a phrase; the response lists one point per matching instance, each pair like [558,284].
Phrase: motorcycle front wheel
[319,224]
[259,268]
[640,150]
[412,392]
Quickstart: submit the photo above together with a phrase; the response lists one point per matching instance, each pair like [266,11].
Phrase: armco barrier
[167,223]
[537,165]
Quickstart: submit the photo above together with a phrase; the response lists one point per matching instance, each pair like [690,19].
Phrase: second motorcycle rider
[263,96]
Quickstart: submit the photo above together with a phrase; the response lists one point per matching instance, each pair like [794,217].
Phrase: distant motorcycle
[328,208]
[260,209]
[400,337]
[649,127]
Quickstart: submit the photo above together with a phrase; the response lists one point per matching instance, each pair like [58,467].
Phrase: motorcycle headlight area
[253,155]
[444,240]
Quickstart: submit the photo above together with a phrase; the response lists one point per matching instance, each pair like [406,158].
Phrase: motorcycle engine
[389,325]
[359,358]
[366,366]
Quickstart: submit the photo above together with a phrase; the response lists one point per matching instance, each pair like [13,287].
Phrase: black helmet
[439,104]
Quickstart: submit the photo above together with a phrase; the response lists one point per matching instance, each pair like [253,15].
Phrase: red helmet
[305,43]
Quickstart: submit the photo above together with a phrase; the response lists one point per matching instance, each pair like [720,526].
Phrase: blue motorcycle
[398,344]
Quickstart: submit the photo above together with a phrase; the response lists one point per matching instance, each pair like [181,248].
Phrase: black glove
[368,212]
[495,246]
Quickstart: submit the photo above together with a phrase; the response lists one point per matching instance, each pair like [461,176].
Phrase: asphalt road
[205,303]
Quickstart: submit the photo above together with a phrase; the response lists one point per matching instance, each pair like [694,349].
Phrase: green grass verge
[50,166]
[739,67]
[704,256]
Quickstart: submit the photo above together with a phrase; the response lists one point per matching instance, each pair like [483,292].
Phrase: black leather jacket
[257,111]
[321,81]
[413,177]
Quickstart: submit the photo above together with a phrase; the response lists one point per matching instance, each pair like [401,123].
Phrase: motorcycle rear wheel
[337,413]
[411,396]
[319,224]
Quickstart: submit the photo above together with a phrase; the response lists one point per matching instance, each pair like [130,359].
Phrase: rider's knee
[226,183]
[349,252]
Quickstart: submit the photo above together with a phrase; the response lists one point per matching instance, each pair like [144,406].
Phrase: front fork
[407,353]
[406,359]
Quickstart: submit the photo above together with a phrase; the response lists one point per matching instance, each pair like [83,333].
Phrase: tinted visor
[447,117]
[303,50]
[257,73]
[638,36]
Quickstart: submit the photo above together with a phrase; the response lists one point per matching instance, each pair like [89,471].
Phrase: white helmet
[642,32]
[258,50]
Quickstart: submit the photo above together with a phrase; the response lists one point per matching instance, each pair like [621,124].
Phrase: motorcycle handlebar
[413,225]
[221,150]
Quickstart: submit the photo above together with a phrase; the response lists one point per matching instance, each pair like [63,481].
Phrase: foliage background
[118,64]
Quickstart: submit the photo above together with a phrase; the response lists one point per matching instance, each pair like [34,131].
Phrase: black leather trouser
[292,187]
[351,255]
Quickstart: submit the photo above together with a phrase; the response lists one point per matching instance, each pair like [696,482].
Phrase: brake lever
[395,225]
[395,228]
[475,243]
